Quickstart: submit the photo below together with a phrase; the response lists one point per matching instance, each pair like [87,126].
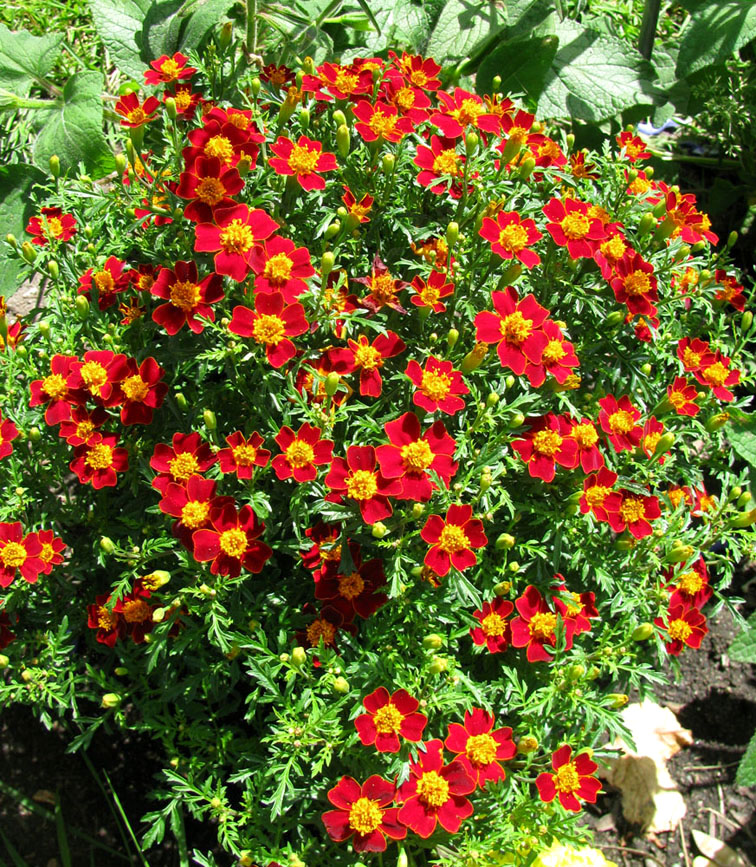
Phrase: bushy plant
[369,448]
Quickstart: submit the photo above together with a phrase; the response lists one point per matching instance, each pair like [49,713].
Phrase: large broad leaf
[743,649]
[462,26]
[714,32]
[73,128]
[742,438]
[402,25]
[25,58]
[16,182]
[203,16]
[522,65]
[119,25]
[161,30]
[746,775]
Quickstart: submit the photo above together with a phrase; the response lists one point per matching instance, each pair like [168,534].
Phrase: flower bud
[107,544]
[575,672]
[646,369]
[55,166]
[746,321]
[110,700]
[136,137]
[643,632]
[664,230]
[332,230]
[28,252]
[495,87]
[743,519]
[517,420]
[569,141]
[732,239]
[715,422]
[632,175]
[492,399]
[514,566]
[12,240]
[181,401]
[332,383]
[617,699]
[452,337]
[35,434]
[44,328]
[502,588]
[474,358]
[527,744]
[527,168]
[744,498]
[679,554]
[339,118]
[298,656]
[624,543]
[343,140]
[452,233]
[403,860]
[284,657]
[4,661]
[379,530]
[224,40]
[341,685]
[327,261]
[53,270]
[438,665]
[211,422]
[170,108]
[615,318]
[433,641]
[472,140]
[665,444]
[505,541]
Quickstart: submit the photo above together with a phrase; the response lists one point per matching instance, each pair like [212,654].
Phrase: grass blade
[60,827]
[17,860]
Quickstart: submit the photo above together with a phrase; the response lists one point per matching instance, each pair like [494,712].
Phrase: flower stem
[251,40]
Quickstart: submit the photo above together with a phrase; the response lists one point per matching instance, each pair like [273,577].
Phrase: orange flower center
[299,454]
[632,510]
[547,442]
[367,356]
[554,352]
[691,359]
[689,583]
[362,485]
[418,77]
[542,625]
[135,388]
[183,466]
[268,329]
[417,456]
[383,287]
[194,513]
[245,455]
[493,625]
[237,237]
[515,328]
[453,539]
[585,435]
[432,789]
[99,457]
[365,816]
[468,112]
[679,630]
[350,586]
[278,269]
[219,146]
[233,542]
[434,385]
[575,225]
[614,248]
[185,295]
[210,191]
[321,629]
[567,778]
[13,555]
[54,386]
[637,283]
[388,719]
[481,749]
[106,619]
[446,162]
[677,399]
[47,552]
[596,495]
[137,116]
[183,99]
[716,374]
[513,238]
[429,295]
[303,160]
[621,422]
[136,611]
[170,68]
[104,282]
[382,124]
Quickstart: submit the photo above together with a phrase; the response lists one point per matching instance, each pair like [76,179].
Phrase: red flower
[494,630]
[410,457]
[682,397]
[575,608]
[684,624]
[229,136]
[730,290]
[382,286]
[185,457]
[281,266]
[452,540]
[166,69]
[368,358]
[558,357]
[435,793]
[571,226]
[438,385]
[689,587]
[419,71]
[186,100]
[364,813]
[411,101]
[139,390]
[694,353]
[135,113]
[716,373]
[634,284]
[136,612]
[209,184]
[104,285]
[653,430]
[325,627]
[481,749]
[430,293]
[271,324]
[633,145]
[6,635]
[303,452]
[515,327]
[302,160]
[51,549]
[618,420]
[357,210]
[99,462]
[536,626]
[188,299]
[344,82]
[357,478]
[546,444]
[191,504]
[632,512]
[461,110]
[243,454]
[54,391]
[441,167]
[586,436]
[388,717]
[52,224]
[8,432]
[109,625]
[596,489]
[233,237]
[572,780]
[19,552]
[356,589]
[510,236]
[232,543]
[380,121]
[324,548]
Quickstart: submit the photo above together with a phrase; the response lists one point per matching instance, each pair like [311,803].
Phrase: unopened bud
[343,140]
[746,321]
[617,699]
[643,632]
[35,434]
[527,744]
[624,543]
[743,519]
[715,422]
[12,240]
[665,229]
[298,656]
[341,685]
[569,141]
[527,168]
[472,140]
[332,230]
[211,422]
[433,641]
[379,530]
[107,544]
[55,166]
[474,358]
[53,270]
[575,672]
[332,383]
[28,252]
[679,554]
[110,700]
[339,118]
[327,261]
[44,328]
[665,444]
[439,665]
[517,420]
[387,163]
[224,40]
[646,223]
[615,318]
[505,541]
[492,399]
[452,337]
[170,108]
[495,87]
[744,498]
[502,588]
[452,233]
[181,401]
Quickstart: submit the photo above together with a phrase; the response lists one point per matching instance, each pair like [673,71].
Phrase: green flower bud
[298,656]
[28,252]
[438,665]
[615,318]
[4,661]
[472,140]
[343,140]
[517,420]
[679,554]
[208,416]
[284,657]
[646,369]
[44,328]
[505,541]
[731,239]
[624,543]
[643,632]
[495,87]
[474,358]
[332,230]
[12,240]
[486,480]
[715,422]
[632,175]
[452,337]
[341,685]
[514,566]
[403,860]
[53,270]
[575,672]
[224,40]
[379,530]
[327,261]
[502,588]
[181,401]
[746,321]
[35,434]
[110,700]
[665,444]
[433,641]
[304,118]
[743,519]
[492,399]
[527,168]
[107,544]
[136,137]
[744,498]
[452,233]
[734,493]
[527,744]
[617,699]
[569,141]
[55,166]
[170,108]
[339,118]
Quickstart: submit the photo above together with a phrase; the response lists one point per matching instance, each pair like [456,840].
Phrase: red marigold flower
[452,539]
[357,589]
[229,136]
[166,69]
[410,100]
[51,549]
[303,453]
[435,793]
[191,504]
[368,358]
[575,608]
[357,210]
[632,512]
[430,293]
[704,502]
[19,553]
[494,630]
[510,236]
[363,813]
[618,420]
[209,184]
[98,462]
[410,457]
[682,396]
[52,224]
[83,426]
[461,110]
[325,626]
[420,71]
[388,717]
[231,542]
[438,386]
[105,284]
[381,121]
[689,223]
[302,160]
[136,612]
[689,586]
[6,635]
[694,353]
[481,749]
[382,286]
[718,375]
[324,549]
[653,430]
[586,436]
[558,357]
[730,290]
[233,237]
[186,100]
[634,284]
[572,780]
[343,82]
[280,266]
[8,432]
[596,489]
[633,146]
[537,626]
[135,113]
[185,457]
[579,168]
[515,327]
[609,252]
[357,478]
[54,391]
[243,454]
[278,76]
[441,167]
[271,324]
[140,391]
[546,152]
[571,226]
[109,625]
[188,298]
[684,624]
[546,444]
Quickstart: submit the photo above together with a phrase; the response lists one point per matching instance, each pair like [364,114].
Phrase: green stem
[648,27]
[251,40]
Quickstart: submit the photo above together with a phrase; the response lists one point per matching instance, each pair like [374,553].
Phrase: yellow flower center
[518,134]
[554,352]
[677,399]
[716,374]
[185,295]
[547,442]
[405,98]
[278,269]
[106,619]
[194,514]
[639,186]
[299,454]
[549,149]
[94,376]
[99,457]
[47,552]
[453,539]
[679,630]
[84,430]
[350,586]
[13,555]
[637,283]
[219,146]
[383,287]
[418,78]
[170,68]
[434,385]
[513,238]
[542,625]
[136,611]
[621,422]
[303,160]
[269,329]
[245,455]
[446,162]
[433,789]
[183,466]
[417,456]
[632,510]
[614,248]
[137,116]
[382,124]
[233,542]
[585,435]
[691,359]
[575,225]
[388,719]
[367,356]
[468,112]
[515,328]
[54,226]
[346,81]
[651,441]
[210,191]
[54,386]
[365,816]
[596,495]
[481,749]
[567,778]
[104,282]
[689,583]
[135,388]
[237,237]
[429,295]
[362,485]
[183,99]
[493,625]
[321,629]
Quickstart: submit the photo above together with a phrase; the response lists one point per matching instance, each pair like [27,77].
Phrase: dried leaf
[716,851]
[45,796]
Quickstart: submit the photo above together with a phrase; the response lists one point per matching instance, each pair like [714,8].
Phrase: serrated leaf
[743,649]
[746,775]
[161,29]
[714,32]
[522,65]
[73,130]
[25,58]
[401,23]
[119,26]
[462,26]
[742,438]
[203,15]
[16,182]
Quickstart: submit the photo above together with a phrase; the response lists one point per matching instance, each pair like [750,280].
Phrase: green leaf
[25,58]
[743,649]
[119,25]
[161,29]
[746,775]
[401,23]
[521,63]
[714,31]
[462,26]
[16,182]
[203,15]
[73,130]
[742,438]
